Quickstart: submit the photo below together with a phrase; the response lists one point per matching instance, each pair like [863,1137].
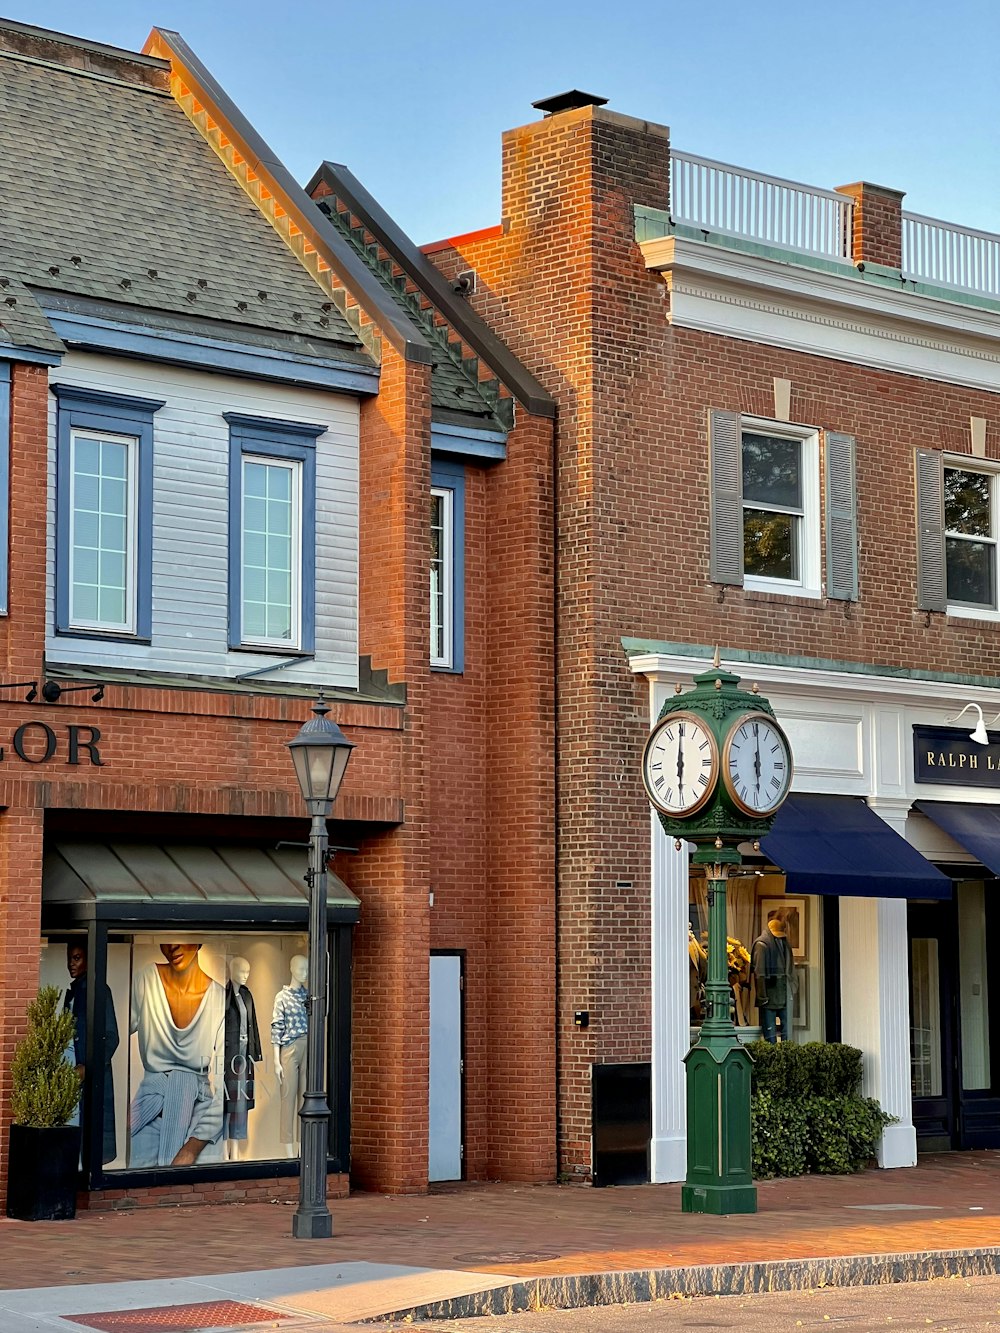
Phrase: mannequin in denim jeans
[774,977]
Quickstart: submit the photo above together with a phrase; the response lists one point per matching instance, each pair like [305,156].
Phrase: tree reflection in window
[772,506]
[970,538]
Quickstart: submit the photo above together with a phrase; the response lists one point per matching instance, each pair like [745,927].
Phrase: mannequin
[774,975]
[289,1025]
[242,1052]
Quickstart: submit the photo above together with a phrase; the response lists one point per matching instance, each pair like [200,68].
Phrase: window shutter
[726,480]
[841,519]
[932,586]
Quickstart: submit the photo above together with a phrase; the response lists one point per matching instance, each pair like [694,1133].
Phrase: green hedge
[807,1110]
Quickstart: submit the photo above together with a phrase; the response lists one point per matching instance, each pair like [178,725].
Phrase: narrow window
[272,552]
[442,581]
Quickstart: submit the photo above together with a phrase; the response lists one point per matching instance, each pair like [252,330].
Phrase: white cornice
[826,313]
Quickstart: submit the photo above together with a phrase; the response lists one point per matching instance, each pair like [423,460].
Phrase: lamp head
[320,753]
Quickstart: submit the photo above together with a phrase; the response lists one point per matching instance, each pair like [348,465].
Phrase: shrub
[807,1113]
[45,1089]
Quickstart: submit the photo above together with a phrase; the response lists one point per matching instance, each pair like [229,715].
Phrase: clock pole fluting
[716,767]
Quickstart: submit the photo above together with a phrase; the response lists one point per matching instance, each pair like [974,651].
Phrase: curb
[580,1291]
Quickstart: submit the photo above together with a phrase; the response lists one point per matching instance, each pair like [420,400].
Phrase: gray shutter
[841,519]
[932,585]
[725,457]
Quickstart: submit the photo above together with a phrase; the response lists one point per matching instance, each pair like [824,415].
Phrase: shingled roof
[108,193]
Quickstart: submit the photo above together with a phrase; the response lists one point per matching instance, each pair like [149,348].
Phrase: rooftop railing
[735,202]
[939,252]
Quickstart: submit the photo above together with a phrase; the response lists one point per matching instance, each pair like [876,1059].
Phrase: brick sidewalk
[947,1202]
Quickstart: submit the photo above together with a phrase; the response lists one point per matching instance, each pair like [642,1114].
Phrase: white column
[671,1007]
[875,1002]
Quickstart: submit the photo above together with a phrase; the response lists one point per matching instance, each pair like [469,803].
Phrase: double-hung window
[447,522]
[970,538]
[104,465]
[272,534]
[766,522]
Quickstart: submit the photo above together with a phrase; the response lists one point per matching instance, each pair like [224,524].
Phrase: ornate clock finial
[678,687]
[718,684]
[716,660]
[755,688]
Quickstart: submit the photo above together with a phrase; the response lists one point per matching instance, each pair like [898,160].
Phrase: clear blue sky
[413,97]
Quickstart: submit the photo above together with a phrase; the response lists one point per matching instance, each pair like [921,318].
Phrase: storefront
[884,865]
[184,965]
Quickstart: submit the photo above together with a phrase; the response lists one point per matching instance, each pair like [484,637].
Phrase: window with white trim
[102,531]
[970,538]
[781,509]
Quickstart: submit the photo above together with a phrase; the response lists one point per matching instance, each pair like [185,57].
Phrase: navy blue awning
[974,827]
[835,844]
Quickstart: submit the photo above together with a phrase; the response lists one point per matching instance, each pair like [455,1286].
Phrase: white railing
[935,251]
[735,202]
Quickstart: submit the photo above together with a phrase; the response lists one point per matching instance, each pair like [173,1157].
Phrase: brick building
[223,421]
[778,431]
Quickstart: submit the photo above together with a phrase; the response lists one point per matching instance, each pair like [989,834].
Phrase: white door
[445,1137]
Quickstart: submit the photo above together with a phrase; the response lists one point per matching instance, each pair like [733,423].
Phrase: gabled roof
[417,283]
[109,193]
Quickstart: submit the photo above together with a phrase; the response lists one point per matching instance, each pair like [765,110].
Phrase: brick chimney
[878,223]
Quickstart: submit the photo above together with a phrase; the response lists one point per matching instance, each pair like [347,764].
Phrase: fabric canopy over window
[230,877]
[974,827]
[835,844]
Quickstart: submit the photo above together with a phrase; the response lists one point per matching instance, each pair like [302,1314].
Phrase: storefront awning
[835,844]
[974,827]
[226,877]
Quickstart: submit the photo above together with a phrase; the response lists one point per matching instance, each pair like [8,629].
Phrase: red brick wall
[565,285]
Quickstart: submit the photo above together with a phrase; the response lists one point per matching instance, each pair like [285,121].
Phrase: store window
[759,908]
[202,1058]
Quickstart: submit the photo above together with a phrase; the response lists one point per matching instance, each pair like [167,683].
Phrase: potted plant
[45,1091]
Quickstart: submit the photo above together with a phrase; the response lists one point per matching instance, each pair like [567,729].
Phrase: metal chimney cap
[570,101]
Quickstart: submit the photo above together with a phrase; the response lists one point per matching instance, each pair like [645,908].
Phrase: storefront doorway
[955,1019]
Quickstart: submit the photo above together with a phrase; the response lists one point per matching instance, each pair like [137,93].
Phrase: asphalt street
[950,1304]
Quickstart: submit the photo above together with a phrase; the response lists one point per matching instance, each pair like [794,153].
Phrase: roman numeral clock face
[680,764]
[757,764]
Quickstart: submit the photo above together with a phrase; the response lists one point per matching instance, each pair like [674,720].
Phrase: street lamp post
[320,753]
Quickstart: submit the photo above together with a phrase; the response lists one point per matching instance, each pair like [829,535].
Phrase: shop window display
[210,1063]
[773,950]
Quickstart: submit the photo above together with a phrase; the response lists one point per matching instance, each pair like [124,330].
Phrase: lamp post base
[719,1200]
[312,1226]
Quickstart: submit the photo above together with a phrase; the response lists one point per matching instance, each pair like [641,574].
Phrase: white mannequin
[239,975]
[299,972]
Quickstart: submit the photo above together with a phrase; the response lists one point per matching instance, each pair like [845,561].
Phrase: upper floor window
[766,524]
[272,534]
[447,523]
[104,466]
[970,522]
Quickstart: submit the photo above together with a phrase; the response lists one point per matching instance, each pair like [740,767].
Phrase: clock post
[716,767]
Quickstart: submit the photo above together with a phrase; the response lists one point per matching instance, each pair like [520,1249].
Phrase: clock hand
[680,759]
[756,758]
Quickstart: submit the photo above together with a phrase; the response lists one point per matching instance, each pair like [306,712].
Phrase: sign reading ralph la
[948,757]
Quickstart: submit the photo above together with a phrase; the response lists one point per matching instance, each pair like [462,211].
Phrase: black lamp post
[320,753]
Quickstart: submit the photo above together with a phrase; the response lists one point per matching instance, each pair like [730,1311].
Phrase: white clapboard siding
[191,520]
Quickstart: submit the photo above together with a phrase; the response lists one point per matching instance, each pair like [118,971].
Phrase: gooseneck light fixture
[319,753]
[978,733]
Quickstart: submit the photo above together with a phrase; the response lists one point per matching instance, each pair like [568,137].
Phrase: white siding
[191,517]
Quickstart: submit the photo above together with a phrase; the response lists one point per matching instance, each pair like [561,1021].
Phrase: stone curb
[579,1291]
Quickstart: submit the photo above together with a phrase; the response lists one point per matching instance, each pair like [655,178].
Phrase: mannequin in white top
[289,1028]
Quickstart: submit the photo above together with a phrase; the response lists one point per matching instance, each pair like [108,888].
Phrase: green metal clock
[716,768]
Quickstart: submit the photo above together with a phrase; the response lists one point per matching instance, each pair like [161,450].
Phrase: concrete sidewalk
[513,1245]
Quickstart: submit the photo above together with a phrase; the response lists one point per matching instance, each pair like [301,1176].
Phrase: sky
[413,97]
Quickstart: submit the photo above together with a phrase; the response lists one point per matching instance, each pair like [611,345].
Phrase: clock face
[680,764]
[757,764]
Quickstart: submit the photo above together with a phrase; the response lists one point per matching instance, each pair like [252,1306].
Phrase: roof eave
[404,336]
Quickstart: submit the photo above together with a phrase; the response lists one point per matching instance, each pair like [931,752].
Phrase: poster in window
[795,914]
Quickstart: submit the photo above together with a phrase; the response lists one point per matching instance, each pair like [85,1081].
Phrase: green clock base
[719,1200]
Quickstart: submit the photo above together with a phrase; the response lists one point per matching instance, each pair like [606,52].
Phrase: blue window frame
[4,484]
[104,514]
[447,568]
[272,534]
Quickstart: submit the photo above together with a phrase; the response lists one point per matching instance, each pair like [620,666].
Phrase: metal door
[445,1149]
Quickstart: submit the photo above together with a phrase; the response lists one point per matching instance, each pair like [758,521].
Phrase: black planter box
[42,1172]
